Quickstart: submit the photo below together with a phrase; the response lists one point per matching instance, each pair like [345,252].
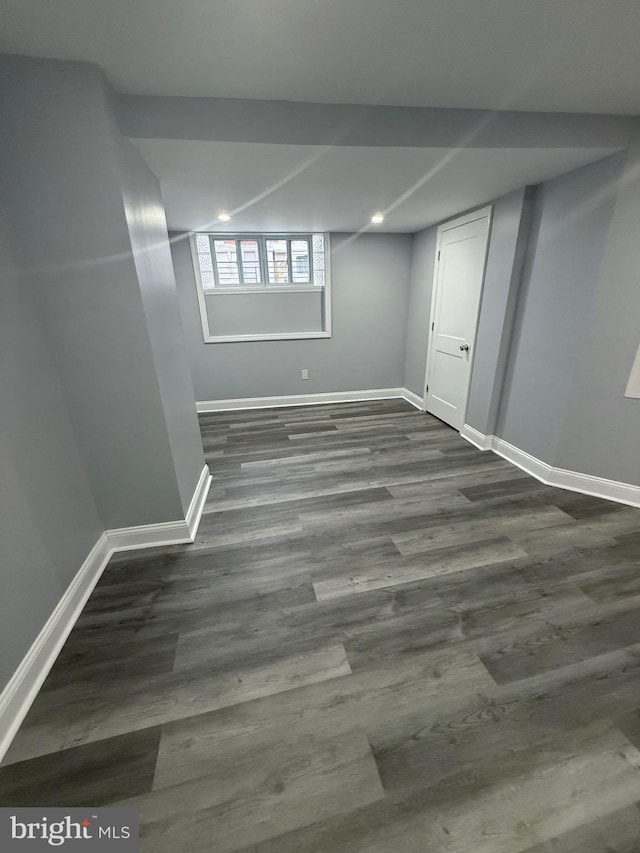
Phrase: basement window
[254,287]
[260,260]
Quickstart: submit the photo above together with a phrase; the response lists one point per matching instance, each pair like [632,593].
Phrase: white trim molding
[415,399]
[281,336]
[148,536]
[23,687]
[204,406]
[271,288]
[196,506]
[481,441]
[167,532]
[238,292]
[574,481]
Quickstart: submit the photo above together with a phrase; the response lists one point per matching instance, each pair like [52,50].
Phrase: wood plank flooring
[381,640]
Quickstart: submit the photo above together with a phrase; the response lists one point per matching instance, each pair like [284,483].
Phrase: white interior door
[459,273]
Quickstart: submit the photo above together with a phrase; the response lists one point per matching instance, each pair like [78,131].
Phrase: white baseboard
[167,532]
[574,481]
[204,406]
[196,507]
[412,398]
[481,441]
[148,535]
[23,687]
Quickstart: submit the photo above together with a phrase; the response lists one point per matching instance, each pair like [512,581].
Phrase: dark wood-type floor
[382,640]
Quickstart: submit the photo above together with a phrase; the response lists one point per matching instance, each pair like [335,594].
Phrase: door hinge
[438,255]
[427,389]
[433,325]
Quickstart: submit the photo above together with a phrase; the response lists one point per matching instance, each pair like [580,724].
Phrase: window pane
[204,261]
[318,259]
[300,260]
[202,241]
[277,261]
[227,262]
[236,261]
[250,262]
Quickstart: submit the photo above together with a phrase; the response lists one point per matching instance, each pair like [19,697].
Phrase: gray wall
[423,255]
[152,257]
[62,179]
[370,284]
[48,518]
[601,430]
[570,226]
[264,313]
[98,427]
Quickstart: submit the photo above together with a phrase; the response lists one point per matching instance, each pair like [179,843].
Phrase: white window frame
[239,290]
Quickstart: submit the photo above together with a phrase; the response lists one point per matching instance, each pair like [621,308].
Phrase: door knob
[464,347]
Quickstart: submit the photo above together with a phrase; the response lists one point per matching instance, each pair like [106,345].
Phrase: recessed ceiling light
[377,218]
[224,217]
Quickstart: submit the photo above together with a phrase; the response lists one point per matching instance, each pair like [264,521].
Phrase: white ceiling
[573,55]
[306,188]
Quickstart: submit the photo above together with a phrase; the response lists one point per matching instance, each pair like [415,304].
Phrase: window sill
[281,336]
[241,290]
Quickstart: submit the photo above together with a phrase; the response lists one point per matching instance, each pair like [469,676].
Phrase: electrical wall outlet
[305,373]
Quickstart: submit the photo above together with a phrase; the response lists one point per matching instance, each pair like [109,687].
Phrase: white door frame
[465,219]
